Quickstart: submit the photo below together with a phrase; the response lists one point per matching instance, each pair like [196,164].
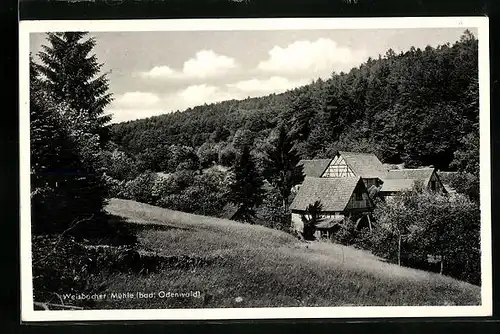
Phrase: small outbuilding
[399,180]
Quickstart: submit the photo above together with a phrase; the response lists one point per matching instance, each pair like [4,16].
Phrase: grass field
[253,266]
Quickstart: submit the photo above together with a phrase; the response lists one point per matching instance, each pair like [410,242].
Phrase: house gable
[364,165]
[435,183]
[360,199]
[338,168]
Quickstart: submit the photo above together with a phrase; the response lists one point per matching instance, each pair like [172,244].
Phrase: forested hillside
[419,107]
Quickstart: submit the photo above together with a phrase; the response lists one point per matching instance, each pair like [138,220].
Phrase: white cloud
[205,63]
[322,56]
[274,84]
[159,72]
[136,99]
[200,94]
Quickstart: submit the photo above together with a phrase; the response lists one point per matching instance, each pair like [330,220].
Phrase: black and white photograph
[255,168]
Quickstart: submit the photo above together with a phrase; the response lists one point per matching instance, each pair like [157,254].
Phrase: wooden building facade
[341,198]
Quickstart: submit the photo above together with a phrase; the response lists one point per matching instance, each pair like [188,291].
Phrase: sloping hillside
[253,266]
[390,106]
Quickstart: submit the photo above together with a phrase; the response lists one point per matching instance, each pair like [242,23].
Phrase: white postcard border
[481,23]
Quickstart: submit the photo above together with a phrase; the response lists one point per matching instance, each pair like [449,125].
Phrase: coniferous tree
[282,169]
[64,187]
[246,191]
[72,75]
[66,109]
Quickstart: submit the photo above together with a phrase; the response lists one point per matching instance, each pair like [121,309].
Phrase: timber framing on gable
[338,168]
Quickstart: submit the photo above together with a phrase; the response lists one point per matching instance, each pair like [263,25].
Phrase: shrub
[465,183]
[430,224]
[270,212]
[141,188]
[349,235]
[208,154]
[204,193]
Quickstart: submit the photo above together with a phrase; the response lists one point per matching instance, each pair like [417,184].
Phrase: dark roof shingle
[334,193]
[404,179]
[423,174]
[314,168]
[365,165]
[391,185]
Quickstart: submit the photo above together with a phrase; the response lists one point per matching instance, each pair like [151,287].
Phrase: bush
[208,154]
[270,212]
[186,191]
[227,156]
[141,188]
[431,225]
[465,183]
[349,235]
[115,187]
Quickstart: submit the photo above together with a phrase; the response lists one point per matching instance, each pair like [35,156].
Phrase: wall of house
[297,224]
[363,204]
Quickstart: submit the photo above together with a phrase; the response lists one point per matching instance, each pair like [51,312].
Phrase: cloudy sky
[153,73]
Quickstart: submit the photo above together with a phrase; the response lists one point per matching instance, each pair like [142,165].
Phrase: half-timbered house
[342,197]
[347,164]
[347,184]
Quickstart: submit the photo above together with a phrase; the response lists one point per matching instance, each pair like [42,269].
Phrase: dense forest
[419,107]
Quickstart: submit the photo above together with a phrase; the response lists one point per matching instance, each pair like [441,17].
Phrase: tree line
[419,107]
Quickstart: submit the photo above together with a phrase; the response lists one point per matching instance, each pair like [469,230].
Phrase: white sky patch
[160,72]
[201,94]
[322,56]
[275,84]
[136,99]
[205,64]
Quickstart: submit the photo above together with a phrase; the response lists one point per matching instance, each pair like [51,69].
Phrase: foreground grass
[255,266]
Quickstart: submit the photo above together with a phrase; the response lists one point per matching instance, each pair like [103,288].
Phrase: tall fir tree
[72,75]
[66,123]
[282,169]
[246,190]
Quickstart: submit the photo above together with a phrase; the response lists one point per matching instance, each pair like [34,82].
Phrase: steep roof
[334,193]
[397,185]
[315,167]
[423,174]
[404,179]
[365,165]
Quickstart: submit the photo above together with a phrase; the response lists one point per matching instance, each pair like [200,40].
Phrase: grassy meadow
[253,266]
